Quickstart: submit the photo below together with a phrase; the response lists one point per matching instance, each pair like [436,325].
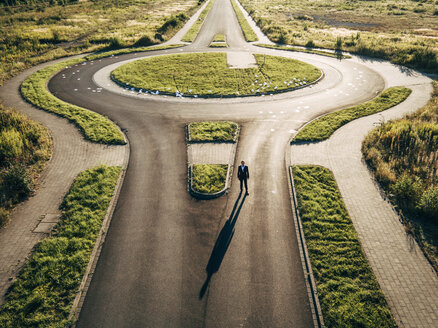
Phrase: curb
[94,257]
[315,307]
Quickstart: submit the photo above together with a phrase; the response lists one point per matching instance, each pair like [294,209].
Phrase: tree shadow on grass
[222,243]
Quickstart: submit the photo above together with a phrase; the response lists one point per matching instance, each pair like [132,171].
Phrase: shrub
[4,216]
[310,44]
[144,41]
[11,144]
[15,184]
[428,203]
[115,43]
[209,178]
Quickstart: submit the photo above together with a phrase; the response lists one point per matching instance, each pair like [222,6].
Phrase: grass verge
[248,32]
[306,50]
[209,178]
[403,157]
[194,30]
[207,74]
[213,131]
[219,41]
[43,293]
[323,127]
[95,127]
[348,291]
[25,147]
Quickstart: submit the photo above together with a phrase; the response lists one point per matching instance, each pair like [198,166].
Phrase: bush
[11,144]
[209,178]
[15,184]
[428,203]
[144,41]
[4,216]
[115,43]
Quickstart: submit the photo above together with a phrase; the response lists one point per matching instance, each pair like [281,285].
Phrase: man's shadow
[222,243]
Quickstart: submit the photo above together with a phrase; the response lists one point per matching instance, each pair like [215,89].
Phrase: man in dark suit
[243,175]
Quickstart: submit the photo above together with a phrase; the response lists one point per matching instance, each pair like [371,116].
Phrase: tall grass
[393,30]
[41,31]
[43,294]
[323,127]
[25,147]
[403,155]
[348,291]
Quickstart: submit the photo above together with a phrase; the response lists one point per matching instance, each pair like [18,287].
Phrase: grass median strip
[209,178]
[95,127]
[348,291]
[194,30]
[43,293]
[323,127]
[306,50]
[213,131]
[207,74]
[248,32]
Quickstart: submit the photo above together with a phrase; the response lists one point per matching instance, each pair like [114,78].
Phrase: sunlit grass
[403,155]
[217,131]
[43,294]
[348,291]
[209,178]
[248,32]
[323,127]
[207,74]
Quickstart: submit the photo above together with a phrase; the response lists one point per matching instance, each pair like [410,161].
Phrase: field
[38,32]
[208,75]
[402,31]
[403,155]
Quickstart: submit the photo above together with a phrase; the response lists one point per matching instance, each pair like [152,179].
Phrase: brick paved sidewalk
[71,155]
[407,279]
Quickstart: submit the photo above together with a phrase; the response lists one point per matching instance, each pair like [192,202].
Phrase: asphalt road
[160,250]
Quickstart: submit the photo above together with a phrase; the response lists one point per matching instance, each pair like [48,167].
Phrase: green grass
[95,127]
[403,157]
[207,74]
[248,32]
[40,32]
[43,294]
[348,291]
[213,131]
[306,50]
[323,127]
[194,30]
[25,147]
[218,45]
[219,41]
[130,50]
[220,37]
[209,178]
[401,31]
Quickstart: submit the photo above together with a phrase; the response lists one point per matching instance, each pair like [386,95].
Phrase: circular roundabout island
[208,75]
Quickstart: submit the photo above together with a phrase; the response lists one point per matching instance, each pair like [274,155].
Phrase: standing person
[243,175]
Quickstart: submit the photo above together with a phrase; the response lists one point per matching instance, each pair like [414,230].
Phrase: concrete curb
[230,170]
[94,257]
[315,307]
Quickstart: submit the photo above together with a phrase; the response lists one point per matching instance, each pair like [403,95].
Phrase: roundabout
[153,263]
[208,75]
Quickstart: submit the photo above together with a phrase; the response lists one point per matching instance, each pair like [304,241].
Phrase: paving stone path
[407,279]
[71,155]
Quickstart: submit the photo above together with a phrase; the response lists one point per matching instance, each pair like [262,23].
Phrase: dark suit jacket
[242,174]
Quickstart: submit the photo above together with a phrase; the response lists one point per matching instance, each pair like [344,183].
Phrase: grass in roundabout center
[209,178]
[322,128]
[207,74]
[348,291]
[43,294]
[213,132]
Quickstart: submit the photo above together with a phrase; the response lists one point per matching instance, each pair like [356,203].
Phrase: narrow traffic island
[44,292]
[219,41]
[347,288]
[211,148]
[209,75]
